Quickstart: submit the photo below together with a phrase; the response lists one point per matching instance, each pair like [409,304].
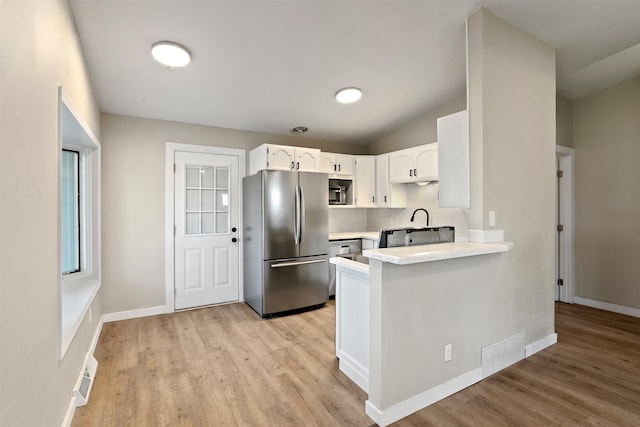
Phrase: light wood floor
[224,366]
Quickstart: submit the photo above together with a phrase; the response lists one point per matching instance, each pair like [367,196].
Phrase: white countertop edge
[347,235]
[435,252]
[350,265]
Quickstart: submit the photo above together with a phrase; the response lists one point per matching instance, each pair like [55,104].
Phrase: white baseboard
[540,345]
[354,370]
[71,410]
[629,311]
[422,400]
[134,314]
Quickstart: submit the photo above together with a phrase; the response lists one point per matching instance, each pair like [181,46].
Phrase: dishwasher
[341,248]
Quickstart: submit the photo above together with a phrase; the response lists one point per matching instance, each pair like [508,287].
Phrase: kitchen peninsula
[414,301]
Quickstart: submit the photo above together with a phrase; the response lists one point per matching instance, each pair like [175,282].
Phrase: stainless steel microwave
[337,195]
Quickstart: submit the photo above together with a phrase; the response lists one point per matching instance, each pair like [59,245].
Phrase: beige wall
[607,143]
[512,101]
[419,131]
[564,121]
[133,167]
[40,50]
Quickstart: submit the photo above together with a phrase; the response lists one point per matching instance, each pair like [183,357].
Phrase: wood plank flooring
[224,366]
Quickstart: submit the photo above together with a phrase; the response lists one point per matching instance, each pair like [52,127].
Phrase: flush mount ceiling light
[170,54]
[348,95]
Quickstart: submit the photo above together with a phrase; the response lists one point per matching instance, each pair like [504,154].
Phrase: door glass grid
[206,200]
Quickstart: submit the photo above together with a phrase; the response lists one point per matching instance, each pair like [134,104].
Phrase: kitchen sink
[391,238]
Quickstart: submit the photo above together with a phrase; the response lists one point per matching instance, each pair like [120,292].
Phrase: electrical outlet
[492,218]
[447,352]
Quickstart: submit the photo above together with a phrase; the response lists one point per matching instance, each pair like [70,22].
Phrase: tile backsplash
[347,219]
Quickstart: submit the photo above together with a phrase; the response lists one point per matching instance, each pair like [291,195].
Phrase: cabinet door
[327,163]
[307,159]
[388,195]
[281,157]
[453,160]
[426,163]
[383,198]
[365,181]
[401,166]
[345,164]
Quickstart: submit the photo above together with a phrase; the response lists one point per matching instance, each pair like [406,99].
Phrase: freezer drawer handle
[292,264]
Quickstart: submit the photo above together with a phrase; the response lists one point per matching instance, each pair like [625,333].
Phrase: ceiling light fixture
[170,54]
[348,95]
[299,129]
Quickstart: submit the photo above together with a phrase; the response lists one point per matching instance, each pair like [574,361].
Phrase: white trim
[134,314]
[621,309]
[170,150]
[422,400]
[73,301]
[540,345]
[566,160]
[353,369]
[71,409]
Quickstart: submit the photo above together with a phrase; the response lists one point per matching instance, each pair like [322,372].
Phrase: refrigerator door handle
[293,264]
[296,217]
[302,214]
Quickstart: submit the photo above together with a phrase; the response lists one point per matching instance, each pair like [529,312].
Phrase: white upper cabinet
[417,164]
[453,158]
[365,181]
[336,164]
[388,195]
[306,159]
[282,157]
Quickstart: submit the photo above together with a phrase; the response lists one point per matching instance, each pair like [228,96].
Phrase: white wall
[40,50]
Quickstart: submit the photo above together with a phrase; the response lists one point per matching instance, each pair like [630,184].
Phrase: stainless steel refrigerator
[286,240]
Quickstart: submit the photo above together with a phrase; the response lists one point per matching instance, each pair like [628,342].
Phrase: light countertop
[351,265]
[370,235]
[435,252]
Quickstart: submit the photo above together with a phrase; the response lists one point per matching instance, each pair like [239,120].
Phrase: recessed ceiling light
[299,129]
[170,54]
[348,95]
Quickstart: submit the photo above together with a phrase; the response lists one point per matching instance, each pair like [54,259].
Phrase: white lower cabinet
[352,324]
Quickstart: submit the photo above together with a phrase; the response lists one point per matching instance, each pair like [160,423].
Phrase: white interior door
[206,192]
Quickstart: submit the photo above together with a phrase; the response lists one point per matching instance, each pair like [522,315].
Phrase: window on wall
[79,221]
[70,211]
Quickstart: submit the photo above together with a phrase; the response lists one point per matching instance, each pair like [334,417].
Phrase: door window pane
[206,200]
[70,192]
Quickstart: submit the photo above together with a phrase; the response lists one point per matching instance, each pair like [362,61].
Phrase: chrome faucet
[420,209]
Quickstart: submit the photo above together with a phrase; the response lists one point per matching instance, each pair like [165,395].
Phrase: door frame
[169,213]
[566,163]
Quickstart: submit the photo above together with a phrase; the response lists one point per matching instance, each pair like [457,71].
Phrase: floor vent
[501,354]
[85,381]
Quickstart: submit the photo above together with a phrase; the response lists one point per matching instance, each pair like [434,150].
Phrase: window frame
[77,290]
[80,211]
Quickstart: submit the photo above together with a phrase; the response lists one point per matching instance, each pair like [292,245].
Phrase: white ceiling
[271,65]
